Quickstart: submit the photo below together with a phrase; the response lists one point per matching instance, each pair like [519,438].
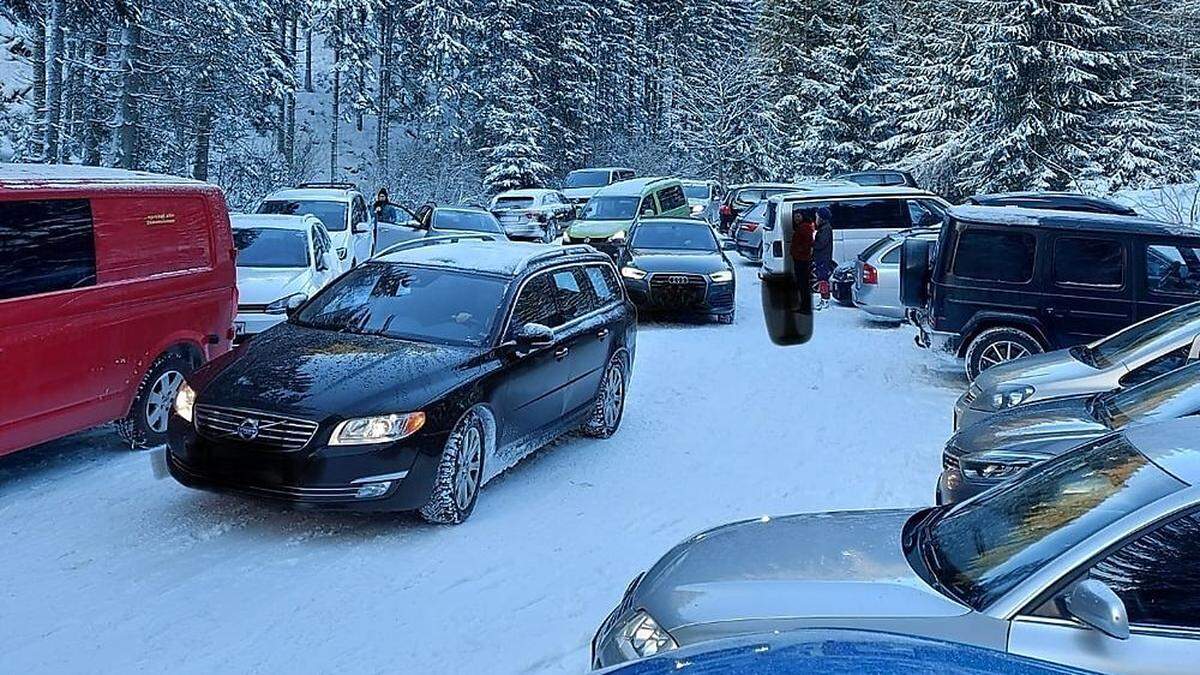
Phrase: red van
[114,286]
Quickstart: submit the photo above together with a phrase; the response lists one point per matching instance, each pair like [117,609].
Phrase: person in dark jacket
[822,254]
[385,210]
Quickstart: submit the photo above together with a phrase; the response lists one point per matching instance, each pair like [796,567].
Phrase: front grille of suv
[678,290]
[253,426]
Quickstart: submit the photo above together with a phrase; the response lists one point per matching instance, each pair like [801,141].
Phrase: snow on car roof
[241,221]
[848,190]
[604,168]
[490,257]
[37,175]
[1012,215]
[1171,445]
[634,187]
[311,195]
[526,192]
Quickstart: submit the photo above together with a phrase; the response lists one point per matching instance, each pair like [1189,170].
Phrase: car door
[598,333]
[1155,576]
[362,229]
[530,396]
[1092,295]
[1169,274]
[859,223]
[582,336]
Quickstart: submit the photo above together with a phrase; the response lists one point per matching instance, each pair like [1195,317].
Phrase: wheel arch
[983,321]
[187,348]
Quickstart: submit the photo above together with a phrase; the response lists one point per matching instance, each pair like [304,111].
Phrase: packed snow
[109,569]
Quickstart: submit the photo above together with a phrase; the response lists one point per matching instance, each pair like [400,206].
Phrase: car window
[923,213]
[1083,261]
[587,178]
[331,214]
[671,198]
[45,246]
[892,257]
[602,285]
[360,213]
[624,175]
[647,208]
[1173,270]
[468,220]
[536,305]
[569,293]
[697,191]
[687,235]
[1162,365]
[1127,343]
[512,202]
[319,243]
[1157,575]
[755,214]
[870,214]
[993,255]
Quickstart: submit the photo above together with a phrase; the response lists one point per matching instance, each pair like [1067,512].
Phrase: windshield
[696,191]
[610,208]
[1168,396]
[408,303]
[472,221]
[586,179]
[981,549]
[271,247]
[682,236]
[332,214]
[1119,347]
[512,203]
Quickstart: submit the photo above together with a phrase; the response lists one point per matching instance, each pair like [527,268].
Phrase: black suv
[1055,201]
[413,379]
[1001,283]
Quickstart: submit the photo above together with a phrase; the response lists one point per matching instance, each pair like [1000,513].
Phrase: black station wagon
[413,379]
[1002,282]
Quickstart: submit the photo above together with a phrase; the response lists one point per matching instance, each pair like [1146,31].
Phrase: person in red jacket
[804,222]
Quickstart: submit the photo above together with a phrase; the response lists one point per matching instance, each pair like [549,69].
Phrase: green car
[612,211]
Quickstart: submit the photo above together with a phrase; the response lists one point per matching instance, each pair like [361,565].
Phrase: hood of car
[659,260]
[1047,427]
[602,229]
[1050,367]
[825,565]
[262,285]
[316,374]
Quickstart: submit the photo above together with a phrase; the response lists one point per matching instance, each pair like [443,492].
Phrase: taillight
[725,210]
[870,275]
[749,227]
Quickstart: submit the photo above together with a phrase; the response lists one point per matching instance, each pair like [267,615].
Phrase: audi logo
[677,279]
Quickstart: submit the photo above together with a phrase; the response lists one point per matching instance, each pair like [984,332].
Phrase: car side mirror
[1096,605]
[533,335]
[294,303]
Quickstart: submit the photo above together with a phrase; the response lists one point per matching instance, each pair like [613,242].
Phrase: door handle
[602,334]
[561,353]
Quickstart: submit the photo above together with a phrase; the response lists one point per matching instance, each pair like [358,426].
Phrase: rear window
[992,255]
[1080,261]
[1173,270]
[331,214]
[512,203]
[874,248]
[872,214]
[46,246]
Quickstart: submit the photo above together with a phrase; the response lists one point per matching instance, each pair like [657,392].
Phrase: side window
[1080,261]
[647,207]
[624,175]
[923,213]
[318,245]
[1155,367]
[604,290]
[993,255]
[671,198]
[568,290]
[872,214]
[46,246]
[359,211]
[1156,575]
[536,305]
[892,257]
[1173,270]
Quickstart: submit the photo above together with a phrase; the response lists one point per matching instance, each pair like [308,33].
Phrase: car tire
[609,408]
[459,473]
[548,233]
[726,319]
[146,424]
[997,345]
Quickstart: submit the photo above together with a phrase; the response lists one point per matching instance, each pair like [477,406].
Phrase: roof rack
[435,241]
[328,185]
[562,252]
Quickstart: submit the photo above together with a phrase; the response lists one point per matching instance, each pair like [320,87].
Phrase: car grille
[949,461]
[678,290]
[252,426]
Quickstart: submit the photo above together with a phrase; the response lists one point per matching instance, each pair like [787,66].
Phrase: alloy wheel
[162,395]
[470,463]
[999,352]
[614,395]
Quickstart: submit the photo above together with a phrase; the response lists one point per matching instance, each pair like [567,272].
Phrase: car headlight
[1008,398]
[282,305]
[185,402]
[633,273]
[642,637]
[722,276]
[996,470]
[377,429]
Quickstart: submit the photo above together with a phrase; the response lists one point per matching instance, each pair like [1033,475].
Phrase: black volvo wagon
[413,379]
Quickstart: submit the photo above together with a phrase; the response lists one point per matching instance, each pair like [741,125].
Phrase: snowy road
[107,569]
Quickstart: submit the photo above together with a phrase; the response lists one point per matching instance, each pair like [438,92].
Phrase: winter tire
[146,424]
[459,474]
[609,408]
[998,345]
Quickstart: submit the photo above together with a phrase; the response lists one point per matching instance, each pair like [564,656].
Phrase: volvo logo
[677,279]
[248,429]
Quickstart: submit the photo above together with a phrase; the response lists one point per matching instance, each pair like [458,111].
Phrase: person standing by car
[385,210]
[822,253]
[801,248]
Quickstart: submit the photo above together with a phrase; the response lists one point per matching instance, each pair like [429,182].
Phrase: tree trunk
[289,150]
[203,145]
[335,120]
[281,132]
[54,81]
[93,125]
[308,82]
[37,144]
[128,120]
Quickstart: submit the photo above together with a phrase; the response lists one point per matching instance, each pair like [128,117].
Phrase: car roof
[313,195]
[1079,220]
[1173,445]
[280,222]
[602,168]
[672,220]
[479,254]
[71,175]
[471,209]
[849,190]
[743,186]
[634,187]
[526,192]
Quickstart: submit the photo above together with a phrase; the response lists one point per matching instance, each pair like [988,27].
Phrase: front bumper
[700,296]
[954,486]
[317,476]
[604,648]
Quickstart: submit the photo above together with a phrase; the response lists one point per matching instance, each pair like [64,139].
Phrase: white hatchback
[282,261]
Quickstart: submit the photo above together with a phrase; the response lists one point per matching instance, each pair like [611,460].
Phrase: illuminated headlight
[722,276]
[378,429]
[282,305]
[1007,398]
[997,470]
[633,273]
[185,402]
[642,637]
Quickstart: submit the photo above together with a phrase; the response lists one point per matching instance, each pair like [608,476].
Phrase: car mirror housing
[533,335]
[1096,605]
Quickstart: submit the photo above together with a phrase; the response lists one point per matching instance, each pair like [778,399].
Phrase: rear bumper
[942,344]
[525,231]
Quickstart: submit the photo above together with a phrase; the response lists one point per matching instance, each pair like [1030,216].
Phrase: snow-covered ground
[106,569]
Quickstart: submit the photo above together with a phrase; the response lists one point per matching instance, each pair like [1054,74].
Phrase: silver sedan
[877,275]
[1052,566]
[1136,354]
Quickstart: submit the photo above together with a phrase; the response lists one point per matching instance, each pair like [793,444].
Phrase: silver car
[984,454]
[1136,354]
[877,275]
[704,199]
[1052,566]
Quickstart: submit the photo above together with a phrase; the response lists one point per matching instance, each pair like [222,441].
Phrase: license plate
[239,328]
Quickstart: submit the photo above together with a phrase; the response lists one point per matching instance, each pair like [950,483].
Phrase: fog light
[372,490]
